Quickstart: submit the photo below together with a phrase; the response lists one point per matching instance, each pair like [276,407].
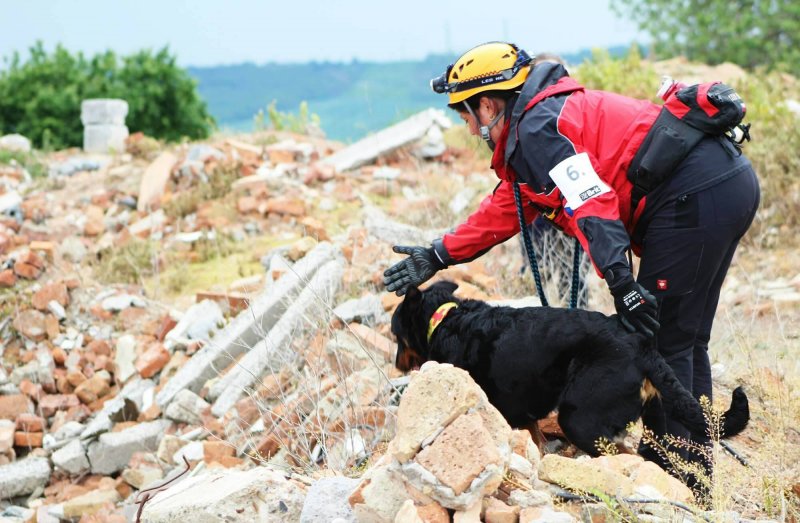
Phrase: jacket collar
[546,79]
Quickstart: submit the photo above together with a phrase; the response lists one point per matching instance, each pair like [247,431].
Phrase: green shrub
[41,98]
[301,123]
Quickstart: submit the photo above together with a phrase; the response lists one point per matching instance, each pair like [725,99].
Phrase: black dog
[531,360]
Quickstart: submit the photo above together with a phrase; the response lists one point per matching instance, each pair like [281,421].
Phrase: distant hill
[351,99]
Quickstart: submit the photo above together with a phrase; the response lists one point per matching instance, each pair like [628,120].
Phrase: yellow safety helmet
[487,67]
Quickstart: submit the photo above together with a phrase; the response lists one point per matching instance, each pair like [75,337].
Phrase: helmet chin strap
[485,129]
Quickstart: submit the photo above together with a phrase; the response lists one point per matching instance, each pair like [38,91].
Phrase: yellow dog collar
[438,316]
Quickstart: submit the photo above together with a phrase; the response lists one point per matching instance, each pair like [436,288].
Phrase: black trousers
[689,235]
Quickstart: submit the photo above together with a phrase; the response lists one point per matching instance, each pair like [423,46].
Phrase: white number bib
[577,180]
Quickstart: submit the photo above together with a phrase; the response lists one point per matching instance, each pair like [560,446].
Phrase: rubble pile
[219,305]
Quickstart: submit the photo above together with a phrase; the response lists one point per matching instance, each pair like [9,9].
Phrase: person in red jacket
[571,151]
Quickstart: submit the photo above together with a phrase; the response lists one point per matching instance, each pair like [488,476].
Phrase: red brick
[48,248]
[31,324]
[99,347]
[30,389]
[217,450]
[51,326]
[92,389]
[56,291]
[152,361]
[27,422]
[51,403]
[7,278]
[28,439]
[29,266]
[167,324]
[13,405]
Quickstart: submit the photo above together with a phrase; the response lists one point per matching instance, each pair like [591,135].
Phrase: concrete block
[104,138]
[186,407]
[258,494]
[274,350]
[23,477]
[104,111]
[113,450]
[71,458]
[327,500]
[248,328]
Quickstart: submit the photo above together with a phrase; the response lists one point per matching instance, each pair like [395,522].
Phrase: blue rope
[526,239]
[576,275]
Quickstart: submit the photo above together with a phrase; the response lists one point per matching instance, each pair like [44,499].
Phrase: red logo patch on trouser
[662,285]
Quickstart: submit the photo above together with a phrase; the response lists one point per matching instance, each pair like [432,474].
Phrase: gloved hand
[421,264]
[636,307]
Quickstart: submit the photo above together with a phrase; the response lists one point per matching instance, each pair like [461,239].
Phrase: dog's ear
[446,286]
[413,295]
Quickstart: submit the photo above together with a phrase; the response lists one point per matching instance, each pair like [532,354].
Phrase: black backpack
[689,113]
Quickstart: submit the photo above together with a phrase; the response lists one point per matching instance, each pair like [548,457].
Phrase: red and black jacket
[553,122]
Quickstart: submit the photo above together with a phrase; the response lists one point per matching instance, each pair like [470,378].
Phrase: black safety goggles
[440,85]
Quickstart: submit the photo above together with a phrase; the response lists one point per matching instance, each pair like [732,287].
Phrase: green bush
[749,33]
[41,98]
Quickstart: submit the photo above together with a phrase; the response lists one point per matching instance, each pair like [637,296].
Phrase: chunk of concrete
[248,328]
[23,477]
[104,111]
[71,458]
[104,138]
[370,148]
[90,503]
[186,408]
[586,476]
[327,500]
[113,450]
[274,351]
[258,494]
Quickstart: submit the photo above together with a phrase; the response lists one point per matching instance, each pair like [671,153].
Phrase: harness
[439,316]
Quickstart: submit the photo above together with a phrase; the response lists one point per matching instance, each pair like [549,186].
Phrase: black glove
[636,307]
[421,264]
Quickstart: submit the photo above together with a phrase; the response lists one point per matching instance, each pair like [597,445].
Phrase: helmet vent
[506,55]
[470,62]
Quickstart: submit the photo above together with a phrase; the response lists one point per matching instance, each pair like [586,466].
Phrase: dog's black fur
[532,360]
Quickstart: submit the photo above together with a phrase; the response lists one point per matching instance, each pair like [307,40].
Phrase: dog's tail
[681,405]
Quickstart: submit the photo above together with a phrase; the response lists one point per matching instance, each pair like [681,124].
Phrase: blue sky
[213,32]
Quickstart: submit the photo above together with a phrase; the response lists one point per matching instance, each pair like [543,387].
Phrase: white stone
[186,407]
[71,458]
[16,143]
[108,111]
[192,451]
[258,494]
[327,501]
[23,477]
[10,202]
[113,450]
[57,309]
[125,357]
[104,138]
[370,148]
[120,302]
